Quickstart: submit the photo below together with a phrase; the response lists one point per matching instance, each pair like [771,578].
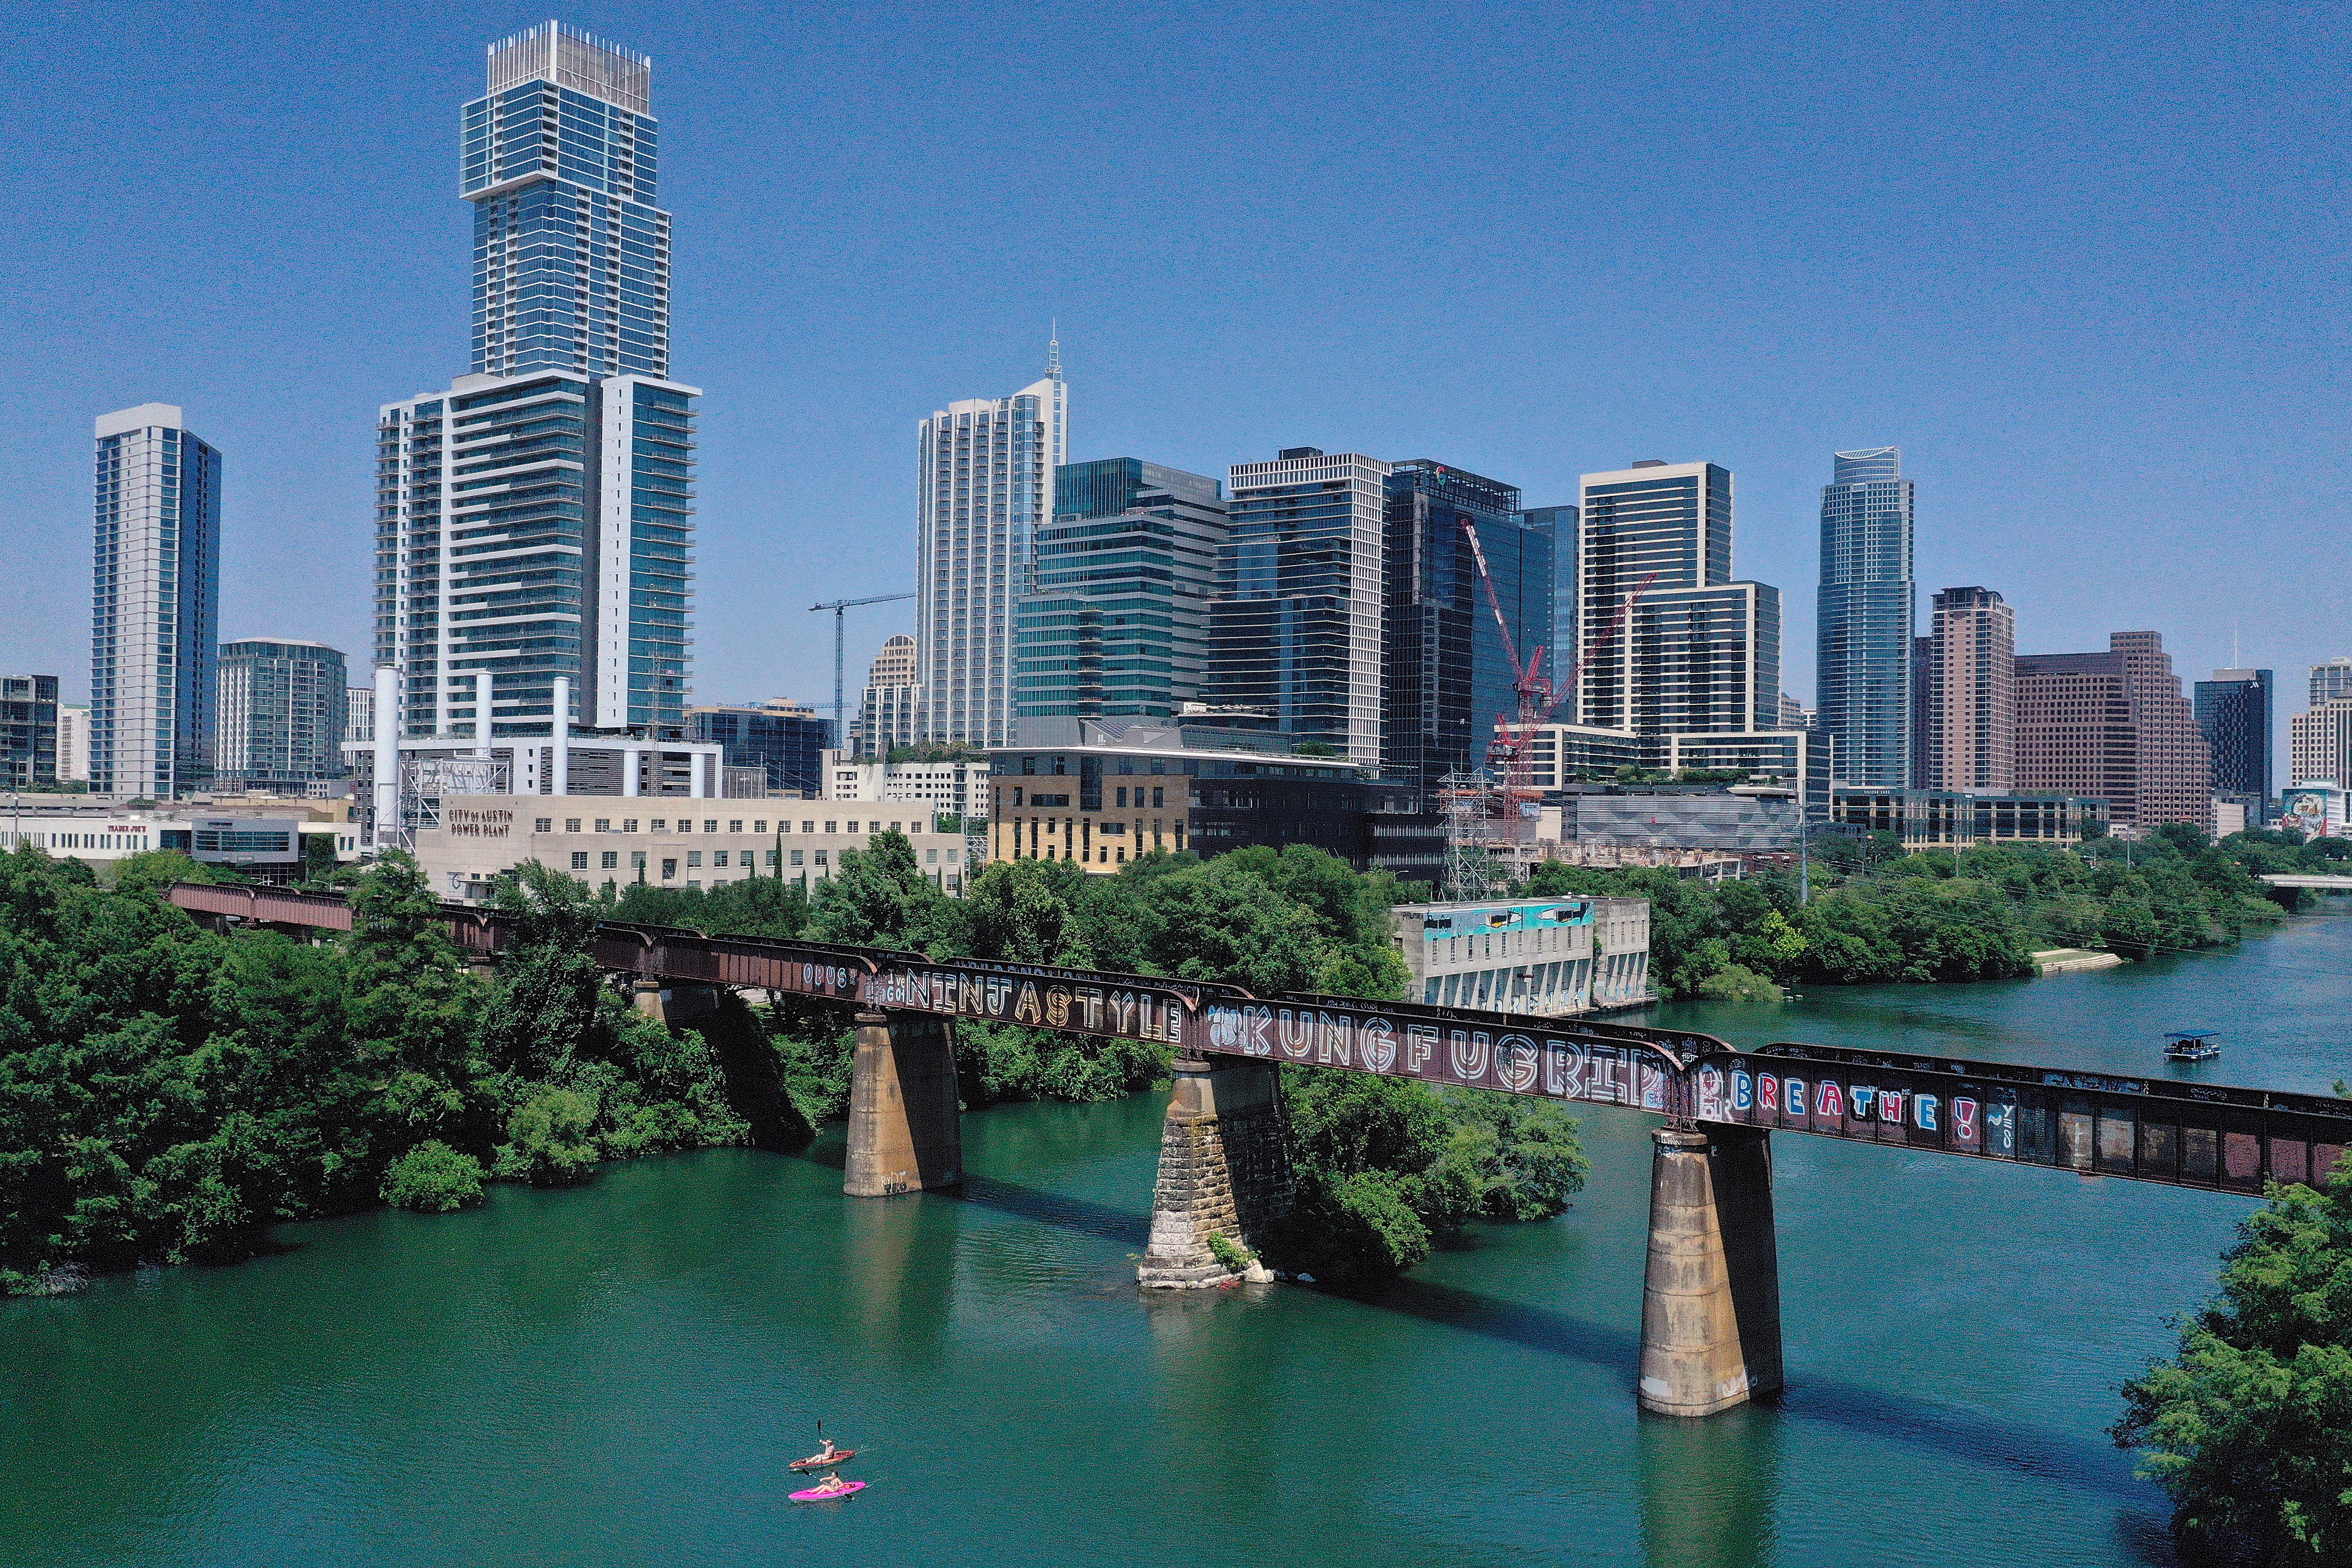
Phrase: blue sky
[2084,264]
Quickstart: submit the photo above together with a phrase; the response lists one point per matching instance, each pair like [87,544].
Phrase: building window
[760,825]
[735,826]
[669,870]
[808,828]
[604,825]
[820,857]
[771,857]
[637,859]
[720,858]
[628,824]
[661,825]
[693,858]
[1158,798]
[711,825]
[1122,801]
[796,857]
[571,825]
[686,825]
[580,859]
[542,825]
[832,828]
[930,857]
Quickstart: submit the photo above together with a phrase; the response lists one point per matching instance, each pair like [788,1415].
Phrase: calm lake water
[618,1374]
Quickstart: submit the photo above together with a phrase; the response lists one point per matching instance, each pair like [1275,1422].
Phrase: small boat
[828,1494]
[2190,1046]
[823,1461]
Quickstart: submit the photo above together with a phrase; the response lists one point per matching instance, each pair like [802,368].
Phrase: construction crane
[1511,754]
[840,735]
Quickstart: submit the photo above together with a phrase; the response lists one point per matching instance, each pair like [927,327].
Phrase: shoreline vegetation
[166,1093]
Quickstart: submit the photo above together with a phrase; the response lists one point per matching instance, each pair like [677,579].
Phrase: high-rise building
[1865,623]
[358,713]
[1560,525]
[1969,702]
[535,520]
[284,708]
[984,487]
[73,741]
[2319,744]
[2233,709]
[29,752]
[1448,679]
[2116,726]
[891,713]
[2330,681]
[155,605]
[785,740]
[1117,623]
[571,255]
[1296,628]
[1698,652]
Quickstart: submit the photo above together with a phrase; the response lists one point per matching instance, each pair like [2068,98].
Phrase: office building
[1296,628]
[475,838]
[2114,726]
[1561,754]
[1800,761]
[2330,681]
[1795,715]
[73,742]
[2319,744]
[785,742]
[984,489]
[1867,610]
[1964,819]
[1117,792]
[2319,809]
[571,255]
[2234,710]
[891,712]
[358,713]
[1448,674]
[534,521]
[1559,525]
[1697,651]
[155,605]
[260,847]
[29,751]
[1968,703]
[284,712]
[1117,623]
[1538,957]
[950,787]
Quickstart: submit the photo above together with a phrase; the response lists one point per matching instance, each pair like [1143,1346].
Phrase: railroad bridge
[1710,1309]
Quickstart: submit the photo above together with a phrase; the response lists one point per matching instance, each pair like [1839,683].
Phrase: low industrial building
[267,847]
[1551,957]
[1961,818]
[1122,790]
[468,840]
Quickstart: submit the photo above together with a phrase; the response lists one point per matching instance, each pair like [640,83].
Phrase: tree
[433,1178]
[880,897]
[2249,1427]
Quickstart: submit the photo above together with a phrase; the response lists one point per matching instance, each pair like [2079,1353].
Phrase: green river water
[616,1374]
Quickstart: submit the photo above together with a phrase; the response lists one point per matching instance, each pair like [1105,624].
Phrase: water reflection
[1711,1488]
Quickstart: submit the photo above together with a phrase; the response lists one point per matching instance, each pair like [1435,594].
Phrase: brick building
[2113,725]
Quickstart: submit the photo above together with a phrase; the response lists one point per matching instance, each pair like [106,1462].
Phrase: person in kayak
[824,1455]
[833,1482]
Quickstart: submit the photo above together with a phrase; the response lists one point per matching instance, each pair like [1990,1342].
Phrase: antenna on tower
[1053,350]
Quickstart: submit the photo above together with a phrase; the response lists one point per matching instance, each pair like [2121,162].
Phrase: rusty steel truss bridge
[1710,1329]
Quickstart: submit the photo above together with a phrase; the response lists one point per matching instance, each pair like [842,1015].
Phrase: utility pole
[841,734]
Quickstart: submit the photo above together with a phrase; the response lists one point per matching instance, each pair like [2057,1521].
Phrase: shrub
[433,1178]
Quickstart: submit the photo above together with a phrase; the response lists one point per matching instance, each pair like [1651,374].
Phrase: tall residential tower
[1967,697]
[1863,630]
[534,522]
[154,606]
[983,489]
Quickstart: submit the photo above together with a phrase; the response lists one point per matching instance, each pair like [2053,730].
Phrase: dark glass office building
[1863,629]
[1117,623]
[790,743]
[2233,708]
[1560,525]
[28,731]
[1446,677]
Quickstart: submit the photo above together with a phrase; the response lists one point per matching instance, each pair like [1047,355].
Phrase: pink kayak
[827,1494]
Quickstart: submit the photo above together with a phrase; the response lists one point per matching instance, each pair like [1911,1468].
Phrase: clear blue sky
[2084,264]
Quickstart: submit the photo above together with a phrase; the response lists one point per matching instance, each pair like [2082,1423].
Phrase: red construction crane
[1512,753]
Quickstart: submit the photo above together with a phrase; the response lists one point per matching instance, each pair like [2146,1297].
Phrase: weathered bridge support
[1711,1297]
[674,1005]
[904,1128]
[1225,1169]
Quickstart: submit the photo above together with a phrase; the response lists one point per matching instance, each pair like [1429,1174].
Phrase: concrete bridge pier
[906,1134]
[1711,1297]
[1225,1169]
[674,1004]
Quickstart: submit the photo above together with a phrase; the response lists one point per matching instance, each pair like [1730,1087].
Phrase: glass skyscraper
[1698,653]
[284,706]
[1446,676]
[535,520]
[1560,525]
[984,487]
[154,606]
[1863,659]
[570,256]
[1119,623]
[2233,709]
[1296,629]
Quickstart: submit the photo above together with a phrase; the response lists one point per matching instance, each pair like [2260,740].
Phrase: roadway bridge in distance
[1711,1313]
[2298,879]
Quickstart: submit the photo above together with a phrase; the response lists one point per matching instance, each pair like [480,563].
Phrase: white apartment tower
[155,605]
[985,487]
[893,705]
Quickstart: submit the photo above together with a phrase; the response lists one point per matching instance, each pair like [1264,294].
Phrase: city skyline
[1992,475]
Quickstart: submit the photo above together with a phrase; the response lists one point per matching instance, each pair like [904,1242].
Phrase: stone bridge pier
[906,1131]
[1225,1169]
[1711,1295]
